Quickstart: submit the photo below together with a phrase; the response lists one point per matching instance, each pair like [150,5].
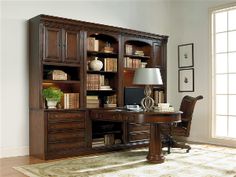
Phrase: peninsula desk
[153,118]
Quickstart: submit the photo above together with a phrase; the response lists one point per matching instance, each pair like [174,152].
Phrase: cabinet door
[158,60]
[52,44]
[71,46]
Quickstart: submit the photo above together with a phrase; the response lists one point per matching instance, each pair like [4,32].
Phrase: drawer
[66,136]
[60,126]
[52,147]
[138,137]
[109,116]
[66,117]
[138,127]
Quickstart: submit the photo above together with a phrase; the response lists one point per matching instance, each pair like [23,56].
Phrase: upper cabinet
[92,64]
[61,44]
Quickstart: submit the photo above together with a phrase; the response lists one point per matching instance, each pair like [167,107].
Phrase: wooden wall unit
[63,44]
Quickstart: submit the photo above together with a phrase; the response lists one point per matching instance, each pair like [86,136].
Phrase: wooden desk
[153,118]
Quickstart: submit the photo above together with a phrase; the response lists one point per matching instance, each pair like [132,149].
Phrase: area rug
[201,161]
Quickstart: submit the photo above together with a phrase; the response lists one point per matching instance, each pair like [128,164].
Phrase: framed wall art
[186,80]
[185,55]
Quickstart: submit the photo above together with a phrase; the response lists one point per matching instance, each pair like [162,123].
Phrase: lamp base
[147,102]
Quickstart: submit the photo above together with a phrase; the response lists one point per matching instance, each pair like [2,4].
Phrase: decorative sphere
[96,65]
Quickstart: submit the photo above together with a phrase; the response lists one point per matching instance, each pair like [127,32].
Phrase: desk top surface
[140,116]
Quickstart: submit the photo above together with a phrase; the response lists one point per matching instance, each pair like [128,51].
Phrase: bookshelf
[103,83]
[60,53]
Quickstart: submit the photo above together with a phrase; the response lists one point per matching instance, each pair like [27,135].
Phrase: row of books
[97,82]
[134,63]
[110,64]
[107,140]
[159,97]
[92,44]
[128,49]
[71,100]
[111,101]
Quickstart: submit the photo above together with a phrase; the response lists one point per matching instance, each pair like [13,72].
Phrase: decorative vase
[51,103]
[96,65]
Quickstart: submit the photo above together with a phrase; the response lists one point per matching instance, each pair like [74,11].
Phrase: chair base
[171,143]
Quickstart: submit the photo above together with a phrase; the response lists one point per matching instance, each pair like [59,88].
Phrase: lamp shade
[147,76]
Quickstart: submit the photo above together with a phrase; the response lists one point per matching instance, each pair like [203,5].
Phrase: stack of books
[105,87]
[92,101]
[98,142]
[139,53]
[71,100]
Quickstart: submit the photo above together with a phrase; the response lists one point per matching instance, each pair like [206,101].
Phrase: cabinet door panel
[71,45]
[158,60]
[52,44]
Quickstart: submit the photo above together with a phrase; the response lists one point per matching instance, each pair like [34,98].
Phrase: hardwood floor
[7,164]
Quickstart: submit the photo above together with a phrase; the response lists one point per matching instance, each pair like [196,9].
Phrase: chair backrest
[187,107]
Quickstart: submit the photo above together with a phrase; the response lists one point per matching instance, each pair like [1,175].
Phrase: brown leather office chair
[170,131]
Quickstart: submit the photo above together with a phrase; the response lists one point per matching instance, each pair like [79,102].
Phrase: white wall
[190,24]
[149,16]
[0,78]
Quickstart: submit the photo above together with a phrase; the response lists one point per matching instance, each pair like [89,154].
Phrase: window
[224,73]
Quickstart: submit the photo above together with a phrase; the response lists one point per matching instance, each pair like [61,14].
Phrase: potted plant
[53,96]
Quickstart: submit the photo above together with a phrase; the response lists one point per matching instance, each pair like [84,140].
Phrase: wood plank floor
[7,164]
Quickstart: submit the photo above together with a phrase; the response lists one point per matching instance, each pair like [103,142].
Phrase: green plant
[52,93]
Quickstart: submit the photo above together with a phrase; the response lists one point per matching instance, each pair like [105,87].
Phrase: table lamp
[147,77]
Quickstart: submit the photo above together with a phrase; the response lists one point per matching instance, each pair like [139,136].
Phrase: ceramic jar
[96,65]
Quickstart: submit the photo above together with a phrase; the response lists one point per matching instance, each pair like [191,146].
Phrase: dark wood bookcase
[64,44]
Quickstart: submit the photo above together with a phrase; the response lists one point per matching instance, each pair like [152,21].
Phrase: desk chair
[170,131]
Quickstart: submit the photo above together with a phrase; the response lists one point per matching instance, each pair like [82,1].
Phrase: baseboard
[214,141]
[13,152]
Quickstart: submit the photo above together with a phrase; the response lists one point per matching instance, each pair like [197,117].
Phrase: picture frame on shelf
[186,80]
[186,55]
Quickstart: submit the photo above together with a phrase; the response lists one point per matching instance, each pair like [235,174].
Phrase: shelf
[101,90]
[64,110]
[61,81]
[102,54]
[130,69]
[110,146]
[108,132]
[61,64]
[101,72]
[138,56]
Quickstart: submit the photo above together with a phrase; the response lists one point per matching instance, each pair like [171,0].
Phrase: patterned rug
[202,161]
